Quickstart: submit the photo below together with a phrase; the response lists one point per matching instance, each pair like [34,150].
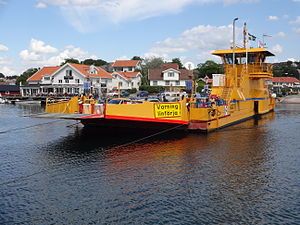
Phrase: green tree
[178,61]
[136,58]
[70,60]
[95,62]
[2,75]
[25,75]
[208,68]
[286,69]
[150,63]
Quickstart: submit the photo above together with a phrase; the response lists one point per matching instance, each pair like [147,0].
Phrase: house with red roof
[126,80]
[71,79]
[170,76]
[285,82]
[290,84]
[126,65]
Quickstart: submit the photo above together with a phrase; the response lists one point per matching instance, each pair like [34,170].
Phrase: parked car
[125,93]
[112,94]
[117,101]
[142,94]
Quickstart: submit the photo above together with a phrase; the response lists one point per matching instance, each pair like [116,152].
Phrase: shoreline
[291,99]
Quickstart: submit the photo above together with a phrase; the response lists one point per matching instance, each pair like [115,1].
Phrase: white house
[126,80]
[169,75]
[68,79]
[285,82]
[126,65]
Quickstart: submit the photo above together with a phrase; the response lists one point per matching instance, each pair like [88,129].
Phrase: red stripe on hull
[153,120]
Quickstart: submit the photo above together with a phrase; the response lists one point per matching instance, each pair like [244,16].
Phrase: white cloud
[40,54]
[85,15]
[281,34]
[4,61]
[7,71]
[41,5]
[29,56]
[38,46]
[273,18]
[3,48]
[198,41]
[296,21]
[297,30]
[291,59]
[277,49]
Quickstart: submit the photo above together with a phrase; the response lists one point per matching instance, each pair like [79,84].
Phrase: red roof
[166,66]
[128,75]
[157,73]
[285,80]
[126,63]
[84,70]
[48,70]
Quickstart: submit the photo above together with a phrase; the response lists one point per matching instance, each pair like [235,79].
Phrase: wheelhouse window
[60,81]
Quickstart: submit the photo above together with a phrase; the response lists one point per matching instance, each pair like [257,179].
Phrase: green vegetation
[208,68]
[137,58]
[70,60]
[95,62]
[25,75]
[286,69]
[150,63]
[152,89]
[178,61]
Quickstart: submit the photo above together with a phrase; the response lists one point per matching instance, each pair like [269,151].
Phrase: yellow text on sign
[167,110]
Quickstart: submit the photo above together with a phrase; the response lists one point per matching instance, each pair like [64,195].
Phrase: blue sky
[36,33]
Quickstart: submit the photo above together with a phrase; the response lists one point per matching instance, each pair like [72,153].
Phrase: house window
[171,74]
[167,82]
[132,84]
[120,84]
[98,81]
[155,83]
[68,73]
[177,82]
[66,81]
[60,81]
[77,81]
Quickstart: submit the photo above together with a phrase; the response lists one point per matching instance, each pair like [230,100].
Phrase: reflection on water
[60,173]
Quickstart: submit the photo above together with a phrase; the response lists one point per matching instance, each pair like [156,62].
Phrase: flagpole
[233,51]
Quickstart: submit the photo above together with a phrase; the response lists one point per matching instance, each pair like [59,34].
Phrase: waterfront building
[126,80]
[9,90]
[126,65]
[169,76]
[69,79]
[290,83]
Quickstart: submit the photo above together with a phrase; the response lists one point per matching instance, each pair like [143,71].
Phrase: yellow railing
[260,68]
[64,106]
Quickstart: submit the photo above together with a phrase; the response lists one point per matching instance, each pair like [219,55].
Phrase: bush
[132,91]
[152,89]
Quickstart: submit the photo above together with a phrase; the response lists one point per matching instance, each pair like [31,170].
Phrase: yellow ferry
[238,94]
